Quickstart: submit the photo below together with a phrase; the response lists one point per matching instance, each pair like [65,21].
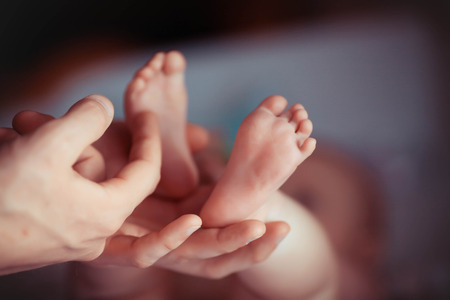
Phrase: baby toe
[275,104]
[174,62]
[288,113]
[145,73]
[156,62]
[298,115]
[135,85]
[307,147]
[305,127]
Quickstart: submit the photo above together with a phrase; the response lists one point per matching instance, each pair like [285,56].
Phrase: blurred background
[374,76]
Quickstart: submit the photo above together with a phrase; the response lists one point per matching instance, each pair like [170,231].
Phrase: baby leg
[159,86]
[270,144]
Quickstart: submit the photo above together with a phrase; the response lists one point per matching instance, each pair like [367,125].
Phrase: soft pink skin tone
[136,247]
[246,216]
[159,86]
[271,142]
[158,231]
[39,170]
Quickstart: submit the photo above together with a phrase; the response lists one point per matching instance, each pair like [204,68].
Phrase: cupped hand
[145,236]
[144,240]
[49,212]
[114,150]
[165,232]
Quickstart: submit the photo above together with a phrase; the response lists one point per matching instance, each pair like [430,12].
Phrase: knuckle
[93,252]
[107,229]
[170,244]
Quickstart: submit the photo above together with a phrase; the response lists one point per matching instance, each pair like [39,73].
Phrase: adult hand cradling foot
[48,212]
[85,188]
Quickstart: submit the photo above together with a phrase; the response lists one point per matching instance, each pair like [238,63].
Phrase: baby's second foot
[159,86]
[270,144]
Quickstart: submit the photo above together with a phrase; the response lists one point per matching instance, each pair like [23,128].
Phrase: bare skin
[271,142]
[39,166]
[159,86]
[157,226]
[303,256]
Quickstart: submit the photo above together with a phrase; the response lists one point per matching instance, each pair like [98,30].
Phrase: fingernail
[192,230]
[253,239]
[103,102]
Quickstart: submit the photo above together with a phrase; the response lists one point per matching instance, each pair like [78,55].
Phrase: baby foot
[270,144]
[159,86]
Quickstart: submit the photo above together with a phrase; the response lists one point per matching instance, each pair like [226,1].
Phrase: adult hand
[49,213]
[114,149]
[157,230]
[208,252]
[214,252]
[217,252]
[211,253]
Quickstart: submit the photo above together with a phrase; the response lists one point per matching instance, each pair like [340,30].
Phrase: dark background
[29,28]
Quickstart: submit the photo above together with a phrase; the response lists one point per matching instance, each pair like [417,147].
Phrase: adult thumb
[83,124]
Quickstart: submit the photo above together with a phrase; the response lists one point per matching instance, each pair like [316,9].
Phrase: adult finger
[7,134]
[69,135]
[212,242]
[28,121]
[246,257]
[146,250]
[90,164]
[138,179]
[115,145]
